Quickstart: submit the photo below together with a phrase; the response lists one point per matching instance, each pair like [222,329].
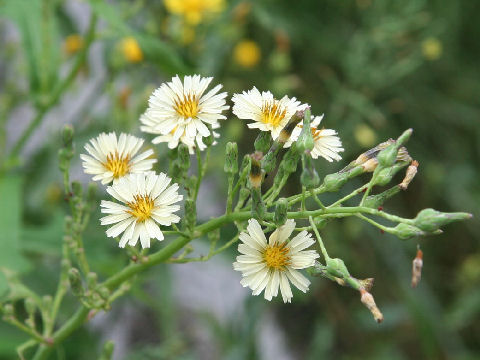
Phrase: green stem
[319,238]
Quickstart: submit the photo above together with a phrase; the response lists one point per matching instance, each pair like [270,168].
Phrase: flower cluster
[188,112]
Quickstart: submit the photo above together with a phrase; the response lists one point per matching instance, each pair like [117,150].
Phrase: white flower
[110,159]
[270,266]
[327,143]
[150,126]
[182,110]
[148,200]
[268,113]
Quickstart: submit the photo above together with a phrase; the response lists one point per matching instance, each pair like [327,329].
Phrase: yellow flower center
[131,49]
[141,207]
[117,165]
[276,256]
[272,113]
[187,107]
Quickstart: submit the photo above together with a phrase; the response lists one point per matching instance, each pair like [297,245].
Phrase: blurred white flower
[148,201]
[268,113]
[150,124]
[327,143]
[111,159]
[181,111]
[273,265]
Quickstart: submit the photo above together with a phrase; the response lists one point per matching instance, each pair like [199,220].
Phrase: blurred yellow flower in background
[364,135]
[72,44]
[194,11]
[432,48]
[131,50]
[247,53]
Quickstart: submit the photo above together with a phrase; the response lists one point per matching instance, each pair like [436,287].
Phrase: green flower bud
[64,157]
[77,189]
[269,161]
[405,231]
[177,171]
[67,135]
[256,175]
[290,160]
[47,302]
[374,201]
[75,282]
[386,175]
[183,157]
[310,178]
[430,220]
[107,351]
[281,208]
[8,310]
[231,158]
[333,182]
[243,196]
[388,156]
[92,279]
[190,214]
[173,154]
[263,142]
[30,307]
[305,140]
[336,267]
[278,176]
[104,292]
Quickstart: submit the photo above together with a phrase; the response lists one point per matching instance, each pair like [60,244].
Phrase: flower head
[268,113]
[194,11]
[131,50]
[326,142]
[150,126]
[72,44]
[273,265]
[111,159]
[148,200]
[180,111]
[247,53]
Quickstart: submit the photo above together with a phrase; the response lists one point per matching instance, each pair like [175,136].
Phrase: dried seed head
[367,299]
[417,265]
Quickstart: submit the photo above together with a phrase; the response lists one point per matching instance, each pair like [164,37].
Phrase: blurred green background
[374,68]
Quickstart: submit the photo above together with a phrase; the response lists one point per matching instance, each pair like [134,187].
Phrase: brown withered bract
[409,175]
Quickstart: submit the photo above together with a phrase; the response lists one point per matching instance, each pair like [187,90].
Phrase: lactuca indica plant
[277,237]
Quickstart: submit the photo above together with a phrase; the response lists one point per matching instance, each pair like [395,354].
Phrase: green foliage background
[359,62]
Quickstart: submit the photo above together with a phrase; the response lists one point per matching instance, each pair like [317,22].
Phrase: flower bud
[75,282]
[292,123]
[246,163]
[183,157]
[374,201]
[231,158]
[190,214]
[30,307]
[77,189]
[386,174]
[92,279]
[305,140]
[8,310]
[430,220]
[269,161]
[367,299]
[310,178]
[210,139]
[409,175]
[290,160]
[104,293]
[405,231]
[64,157]
[281,208]
[263,142]
[67,135]
[243,196]
[336,267]
[417,265]
[256,171]
[333,182]
[107,351]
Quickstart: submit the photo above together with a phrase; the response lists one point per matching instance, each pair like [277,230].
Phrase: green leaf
[10,222]
[39,32]
[154,49]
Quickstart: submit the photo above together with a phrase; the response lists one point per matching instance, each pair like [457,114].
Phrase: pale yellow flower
[247,53]
[131,49]
[432,48]
[194,11]
[72,44]
[365,136]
